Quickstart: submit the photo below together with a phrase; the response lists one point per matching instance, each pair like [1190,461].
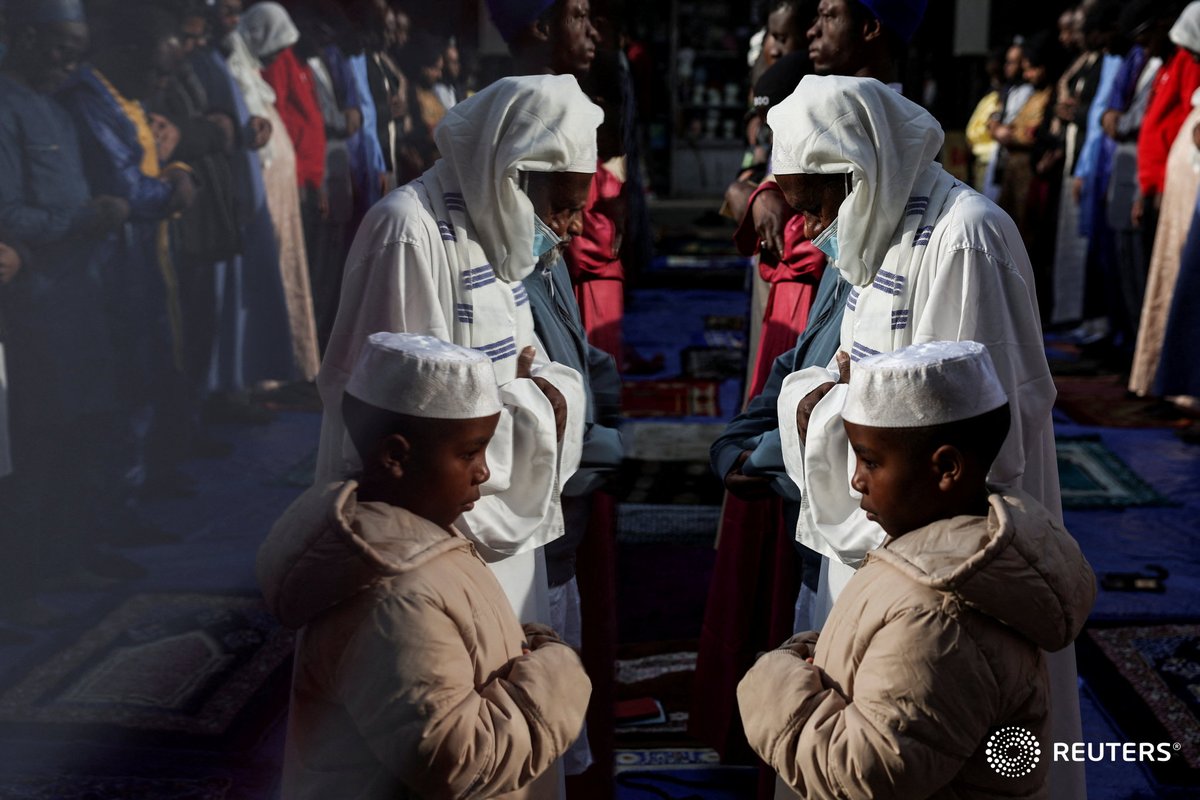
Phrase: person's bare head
[560,41]
[846,38]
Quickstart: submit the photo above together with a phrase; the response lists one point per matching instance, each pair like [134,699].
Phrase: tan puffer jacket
[409,678]
[934,644]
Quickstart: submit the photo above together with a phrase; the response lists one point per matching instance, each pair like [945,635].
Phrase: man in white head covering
[413,676]
[935,647]
[445,255]
[928,259]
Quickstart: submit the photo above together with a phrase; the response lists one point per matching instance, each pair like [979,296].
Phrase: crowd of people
[1089,142]
[198,200]
[181,181]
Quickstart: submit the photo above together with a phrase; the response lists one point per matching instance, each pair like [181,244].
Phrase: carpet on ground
[699,782]
[161,665]
[1103,400]
[675,397]
[1092,476]
[653,523]
[1154,670]
[663,671]
[667,482]
[92,787]
[660,759]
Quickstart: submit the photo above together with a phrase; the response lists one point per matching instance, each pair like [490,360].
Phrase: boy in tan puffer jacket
[413,677]
[929,678]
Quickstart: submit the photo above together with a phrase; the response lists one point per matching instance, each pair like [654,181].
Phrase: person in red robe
[296,102]
[593,257]
[793,275]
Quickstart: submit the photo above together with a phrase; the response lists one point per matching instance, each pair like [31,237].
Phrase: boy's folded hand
[802,644]
[537,635]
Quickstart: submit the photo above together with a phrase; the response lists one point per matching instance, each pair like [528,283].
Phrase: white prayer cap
[922,385]
[423,376]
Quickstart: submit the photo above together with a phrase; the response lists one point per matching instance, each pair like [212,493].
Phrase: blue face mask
[544,238]
[827,241]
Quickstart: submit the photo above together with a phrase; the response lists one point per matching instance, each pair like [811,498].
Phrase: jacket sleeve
[924,698]
[118,161]
[34,225]
[760,416]
[408,683]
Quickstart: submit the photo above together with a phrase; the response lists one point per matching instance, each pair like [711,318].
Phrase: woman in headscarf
[1181,183]
[928,259]
[445,255]
[264,31]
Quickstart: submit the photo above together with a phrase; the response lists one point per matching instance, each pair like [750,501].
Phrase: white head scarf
[1186,30]
[534,123]
[268,28]
[833,124]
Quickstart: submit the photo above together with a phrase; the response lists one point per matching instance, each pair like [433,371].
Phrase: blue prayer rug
[1092,476]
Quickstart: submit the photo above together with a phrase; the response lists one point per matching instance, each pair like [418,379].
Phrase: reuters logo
[1013,751]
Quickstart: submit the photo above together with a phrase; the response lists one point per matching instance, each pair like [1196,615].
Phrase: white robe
[931,260]
[420,263]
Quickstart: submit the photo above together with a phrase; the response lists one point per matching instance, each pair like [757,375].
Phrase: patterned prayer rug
[157,664]
[1155,670]
[676,397]
[91,787]
[667,482]
[681,774]
[1103,400]
[1092,476]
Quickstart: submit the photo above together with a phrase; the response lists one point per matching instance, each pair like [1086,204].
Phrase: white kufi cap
[423,376]
[922,385]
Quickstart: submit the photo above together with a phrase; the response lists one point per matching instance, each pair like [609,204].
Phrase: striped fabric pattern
[916,206]
[860,351]
[852,298]
[921,239]
[464,312]
[889,282]
[447,231]
[454,201]
[900,319]
[477,277]
[496,351]
[520,295]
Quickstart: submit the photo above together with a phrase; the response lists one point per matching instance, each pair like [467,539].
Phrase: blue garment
[560,330]
[1125,83]
[60,359]
[1178,366]
[1095,157]
[134,290]
[758,425]
[253,336]
[366,154]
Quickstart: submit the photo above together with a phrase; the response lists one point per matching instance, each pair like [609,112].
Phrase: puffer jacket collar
[1017,565]
[328,547]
